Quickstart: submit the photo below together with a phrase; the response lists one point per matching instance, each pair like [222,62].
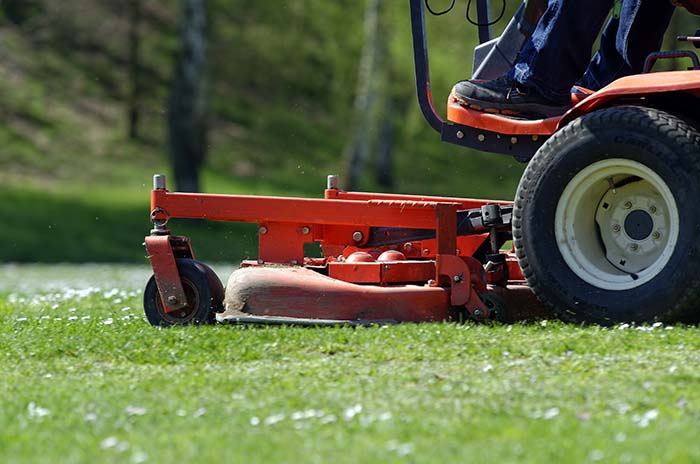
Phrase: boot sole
[528,110]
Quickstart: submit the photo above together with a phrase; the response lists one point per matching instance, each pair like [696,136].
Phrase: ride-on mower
[603,224]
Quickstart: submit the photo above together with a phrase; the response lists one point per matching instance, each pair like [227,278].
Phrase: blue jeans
[557,55]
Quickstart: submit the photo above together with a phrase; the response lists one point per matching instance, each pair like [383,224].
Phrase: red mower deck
[390,258]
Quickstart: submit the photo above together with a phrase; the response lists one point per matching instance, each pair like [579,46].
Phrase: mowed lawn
[85,379]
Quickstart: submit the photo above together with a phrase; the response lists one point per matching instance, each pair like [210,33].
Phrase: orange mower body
[603,226]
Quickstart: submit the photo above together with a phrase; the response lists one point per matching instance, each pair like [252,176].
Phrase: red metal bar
[465,203]
[388,272]
[260,209]
[446,228]
[160,252]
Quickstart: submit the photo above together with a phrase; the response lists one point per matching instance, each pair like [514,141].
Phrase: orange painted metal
[160,252]
[637,86]
[297,292]
[383,272]
[303,211]
[515,274]
[498,123]
[286,223]
[464,203]
[431,278]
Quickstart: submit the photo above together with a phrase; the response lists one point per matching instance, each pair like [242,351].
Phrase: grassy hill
[281,86]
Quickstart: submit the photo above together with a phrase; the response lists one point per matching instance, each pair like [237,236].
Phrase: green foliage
[86,379]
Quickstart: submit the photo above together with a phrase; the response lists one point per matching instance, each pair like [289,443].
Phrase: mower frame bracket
[162,257]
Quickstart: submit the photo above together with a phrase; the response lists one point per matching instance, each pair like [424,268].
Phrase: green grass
[86,379]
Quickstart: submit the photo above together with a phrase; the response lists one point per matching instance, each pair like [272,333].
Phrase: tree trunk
[134,68]
[186,108]
[357,150]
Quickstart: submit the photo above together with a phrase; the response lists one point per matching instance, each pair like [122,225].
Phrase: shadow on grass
[47,227]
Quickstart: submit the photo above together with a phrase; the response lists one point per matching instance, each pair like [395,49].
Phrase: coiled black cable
[467,15]
[440,13]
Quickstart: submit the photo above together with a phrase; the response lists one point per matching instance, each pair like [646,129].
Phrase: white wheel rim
[616,224]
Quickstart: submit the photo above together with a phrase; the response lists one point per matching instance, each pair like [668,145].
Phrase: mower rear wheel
[204,291]
[605,225]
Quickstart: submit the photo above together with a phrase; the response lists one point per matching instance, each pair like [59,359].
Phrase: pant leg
[558,52]
[627,42]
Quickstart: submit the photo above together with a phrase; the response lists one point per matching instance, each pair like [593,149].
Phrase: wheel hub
[633,224]
[638,224]
[616,224]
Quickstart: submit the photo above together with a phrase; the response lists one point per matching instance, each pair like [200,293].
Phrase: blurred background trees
[228,96]
[187,102]
[274,93]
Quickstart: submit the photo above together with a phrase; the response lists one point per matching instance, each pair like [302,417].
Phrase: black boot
[509,97]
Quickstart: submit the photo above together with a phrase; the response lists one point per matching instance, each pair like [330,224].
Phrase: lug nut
[656,235]
[357,236]
[628,204]
[305,230]
[262,230]
[172,300]
[634,247]
[652,209]
[616,228]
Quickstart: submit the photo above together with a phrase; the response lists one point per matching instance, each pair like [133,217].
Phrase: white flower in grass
[550,413]
[351,412]
[275,418]
[109,442]
[645,419]
[135,410]
[108,321]
[36,412]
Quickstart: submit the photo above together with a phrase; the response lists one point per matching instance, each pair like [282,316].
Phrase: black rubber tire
[660,141]
[205,296]
[217,289]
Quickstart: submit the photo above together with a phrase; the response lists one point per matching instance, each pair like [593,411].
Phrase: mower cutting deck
[603,224]
[389,258]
